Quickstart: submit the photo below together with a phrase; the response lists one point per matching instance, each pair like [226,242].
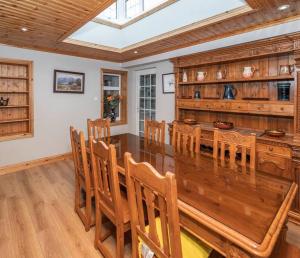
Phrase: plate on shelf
[223,125]
[190,121]
[275,133]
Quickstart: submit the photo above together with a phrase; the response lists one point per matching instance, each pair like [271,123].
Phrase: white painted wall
[55,112]
[165,103]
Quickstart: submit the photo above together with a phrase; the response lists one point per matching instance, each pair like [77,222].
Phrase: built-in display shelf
[14,92]
[14,78]
[16,118]
[13,121]
[15,106]
[255,79]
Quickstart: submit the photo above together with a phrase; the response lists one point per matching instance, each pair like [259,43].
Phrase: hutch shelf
[16,116]
[256,102]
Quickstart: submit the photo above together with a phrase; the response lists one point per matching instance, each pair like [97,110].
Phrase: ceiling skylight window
[109,13]
[123,11]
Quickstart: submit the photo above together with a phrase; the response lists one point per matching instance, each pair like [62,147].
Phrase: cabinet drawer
[185,104]
[275,165]
[259,107]
[239,106]
[283,109]
[283,151]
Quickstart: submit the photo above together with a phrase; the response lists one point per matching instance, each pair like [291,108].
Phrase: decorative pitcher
[201,75]
[221,74]
[286,69]
[248,72]
[229,92]
[184,77]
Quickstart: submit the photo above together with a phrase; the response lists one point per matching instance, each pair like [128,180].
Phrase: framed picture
[168,80]
[68,82]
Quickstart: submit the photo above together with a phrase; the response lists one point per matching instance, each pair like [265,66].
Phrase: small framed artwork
[168,80]
[68,82]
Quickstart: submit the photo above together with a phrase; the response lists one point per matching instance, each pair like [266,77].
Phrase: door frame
[150,70]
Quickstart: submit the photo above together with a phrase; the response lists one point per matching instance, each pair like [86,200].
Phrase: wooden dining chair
[99,128]
[186,137]
[110,200]
[83,179]
[162,235]
[234,142]
[155,131]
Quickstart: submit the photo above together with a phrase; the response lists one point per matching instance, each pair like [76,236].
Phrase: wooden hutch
[256,106]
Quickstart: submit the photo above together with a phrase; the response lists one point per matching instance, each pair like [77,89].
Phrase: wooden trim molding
[102,5]
[33,163]
[272,46]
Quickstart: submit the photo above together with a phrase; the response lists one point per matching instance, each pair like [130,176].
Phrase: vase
[112,115]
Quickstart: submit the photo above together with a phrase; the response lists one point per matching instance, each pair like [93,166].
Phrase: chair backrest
[234,142]
[82,168]
[106,180]
[99,128]
[186,137]
[155,131]
[145,184]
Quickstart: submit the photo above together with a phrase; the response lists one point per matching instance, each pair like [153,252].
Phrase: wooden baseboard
[33,163]
[294,217]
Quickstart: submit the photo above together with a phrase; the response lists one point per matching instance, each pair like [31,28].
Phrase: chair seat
[191,246]
[107,208]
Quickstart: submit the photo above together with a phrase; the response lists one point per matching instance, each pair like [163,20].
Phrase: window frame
[123,92]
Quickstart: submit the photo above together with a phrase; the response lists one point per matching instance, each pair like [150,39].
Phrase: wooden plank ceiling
[50,21]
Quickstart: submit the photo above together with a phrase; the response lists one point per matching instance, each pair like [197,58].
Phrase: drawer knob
[281,108]
[271,149]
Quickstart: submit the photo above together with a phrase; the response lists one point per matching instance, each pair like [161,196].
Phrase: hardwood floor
[37,217]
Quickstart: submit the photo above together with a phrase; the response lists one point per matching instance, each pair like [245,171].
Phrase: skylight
[123,11]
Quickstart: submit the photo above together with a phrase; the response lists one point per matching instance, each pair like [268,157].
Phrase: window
[122,11]
[110,13]
[114,96]
[133,8]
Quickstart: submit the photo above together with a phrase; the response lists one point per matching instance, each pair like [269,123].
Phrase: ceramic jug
[184,77]
[229,92]
[221,74]
[285,69]
[248,71]
[201,75]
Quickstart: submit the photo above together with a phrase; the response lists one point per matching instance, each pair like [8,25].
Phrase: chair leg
[98,227]
[77,196]
[120,241]
[88,212]
[134,245]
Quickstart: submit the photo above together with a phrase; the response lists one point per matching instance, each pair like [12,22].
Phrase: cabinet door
[274,164]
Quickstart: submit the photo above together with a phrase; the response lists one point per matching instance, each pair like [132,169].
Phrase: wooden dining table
[239,212]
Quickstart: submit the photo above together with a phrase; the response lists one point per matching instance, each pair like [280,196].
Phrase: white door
[146,92]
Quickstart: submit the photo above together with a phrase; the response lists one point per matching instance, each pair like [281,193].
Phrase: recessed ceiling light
[24,29]
[135,52]
[283,7]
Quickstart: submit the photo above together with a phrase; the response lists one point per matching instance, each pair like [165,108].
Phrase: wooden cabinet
[275,160]
[16,116]
[274,108]
[257,103]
